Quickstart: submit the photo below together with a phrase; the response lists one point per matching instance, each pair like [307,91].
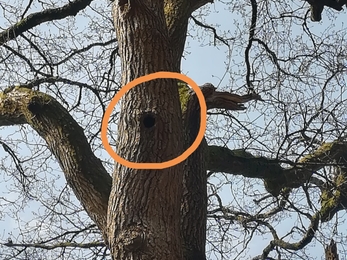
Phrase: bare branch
[216,36]
[38,18]
[250,40]
[196,4]
[84,172]
[240,162]
[307,238]
[58,245]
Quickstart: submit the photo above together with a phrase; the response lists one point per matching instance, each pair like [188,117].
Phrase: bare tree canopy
[269,179]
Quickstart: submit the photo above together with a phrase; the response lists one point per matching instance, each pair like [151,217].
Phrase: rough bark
[144,208]
[151,36]
[194,199]
[331,251]
[144,205]
[91,182]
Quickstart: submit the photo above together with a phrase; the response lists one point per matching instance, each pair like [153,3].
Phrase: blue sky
[203,62]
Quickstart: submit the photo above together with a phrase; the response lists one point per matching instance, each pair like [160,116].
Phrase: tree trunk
[331,251]
[194,200]
[144,205]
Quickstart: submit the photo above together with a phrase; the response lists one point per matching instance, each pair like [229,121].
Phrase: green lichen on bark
[177,13]
[333,198]
[174,12]
[184,93]
[320,153]
[18,104]
[328,201]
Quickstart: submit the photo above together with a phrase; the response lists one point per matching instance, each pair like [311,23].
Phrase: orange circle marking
[130,85]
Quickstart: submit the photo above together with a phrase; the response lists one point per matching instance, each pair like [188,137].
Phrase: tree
[289,162]
[331,251]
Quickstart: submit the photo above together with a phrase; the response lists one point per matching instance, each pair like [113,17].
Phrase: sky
[204,63]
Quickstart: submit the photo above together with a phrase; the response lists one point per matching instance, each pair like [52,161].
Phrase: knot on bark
[133,239]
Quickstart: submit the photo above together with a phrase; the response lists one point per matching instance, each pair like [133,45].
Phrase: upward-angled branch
[65,138]
[196,4]
[306,239]
[70,9]
[177,13]
[317,7]
[250,41]
[331,251]
[240,162]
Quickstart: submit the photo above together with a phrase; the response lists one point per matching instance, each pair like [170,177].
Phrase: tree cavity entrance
[148,120]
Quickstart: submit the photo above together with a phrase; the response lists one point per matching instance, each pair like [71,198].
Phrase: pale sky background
[203,63]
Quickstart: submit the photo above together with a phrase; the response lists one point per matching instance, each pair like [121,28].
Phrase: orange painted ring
[130,85]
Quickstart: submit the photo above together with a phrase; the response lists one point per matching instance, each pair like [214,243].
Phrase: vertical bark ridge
[194,199]
[144,205]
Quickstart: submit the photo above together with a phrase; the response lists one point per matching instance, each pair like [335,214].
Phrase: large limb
[177,13]
[65,138]
[196,4]
[317,6]
[240,162]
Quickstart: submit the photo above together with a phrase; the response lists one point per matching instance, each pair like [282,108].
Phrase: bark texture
[144,205]
[194,200]
[331,251]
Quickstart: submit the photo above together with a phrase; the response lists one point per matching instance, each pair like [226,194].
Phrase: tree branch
[306,239]
[250,41]
[215,34]
[317,7]
[35,19]
[177,13]
[196,4]
[83,171]
[58,245]
[240,162]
